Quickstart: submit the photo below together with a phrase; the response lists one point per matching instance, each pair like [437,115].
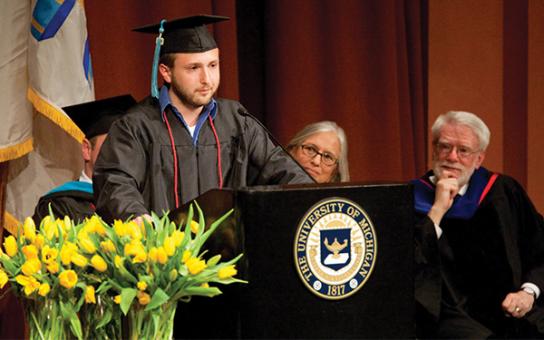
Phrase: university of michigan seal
[335,248]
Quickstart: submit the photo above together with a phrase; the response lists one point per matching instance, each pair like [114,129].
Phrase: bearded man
[479,242]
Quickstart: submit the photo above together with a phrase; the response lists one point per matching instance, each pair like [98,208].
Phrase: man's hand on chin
[446,189]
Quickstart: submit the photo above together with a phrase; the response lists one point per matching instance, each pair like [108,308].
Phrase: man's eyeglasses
[444,149]
[311,151]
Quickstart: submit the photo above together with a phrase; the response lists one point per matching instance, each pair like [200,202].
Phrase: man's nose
[205,76]
[452,155]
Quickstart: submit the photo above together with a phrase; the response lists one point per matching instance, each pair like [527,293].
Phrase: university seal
[335,248]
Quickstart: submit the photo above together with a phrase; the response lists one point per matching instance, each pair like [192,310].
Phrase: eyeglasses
[311,151]
[444,149]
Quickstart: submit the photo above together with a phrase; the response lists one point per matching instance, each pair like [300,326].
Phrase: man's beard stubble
[463,179]
[191,99]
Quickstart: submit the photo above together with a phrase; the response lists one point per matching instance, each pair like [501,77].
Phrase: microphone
[243,112]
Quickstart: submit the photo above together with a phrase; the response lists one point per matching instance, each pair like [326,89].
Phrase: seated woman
[322,150]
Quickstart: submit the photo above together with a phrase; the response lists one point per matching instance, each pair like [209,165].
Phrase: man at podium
[181,141]
[480,255]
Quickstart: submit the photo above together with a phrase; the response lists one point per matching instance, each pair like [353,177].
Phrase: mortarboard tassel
[158,43]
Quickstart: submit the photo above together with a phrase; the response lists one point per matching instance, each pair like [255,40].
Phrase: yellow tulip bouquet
[77,280]
[46,267]
[163,264]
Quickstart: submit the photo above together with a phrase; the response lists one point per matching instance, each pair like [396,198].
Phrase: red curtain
[359,63]
[516,88]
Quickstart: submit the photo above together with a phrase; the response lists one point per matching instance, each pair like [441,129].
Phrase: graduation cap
[183,35]
[95,118]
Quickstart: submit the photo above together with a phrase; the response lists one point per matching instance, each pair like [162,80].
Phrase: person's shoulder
[139,118]
[234,109]
[74,189]
[232,113]
[73,203]
[507,185]
[145,109]
[228,105]
[61,198]
[504,179]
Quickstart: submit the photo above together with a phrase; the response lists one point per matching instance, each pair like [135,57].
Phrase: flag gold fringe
[11,223]
[15,151]
[56,116]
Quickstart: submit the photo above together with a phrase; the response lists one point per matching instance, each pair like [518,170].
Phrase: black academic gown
[463,278]
[134,173]
[77,204]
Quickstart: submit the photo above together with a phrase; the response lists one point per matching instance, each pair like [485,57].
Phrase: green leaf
[68,313]
[127,296]
[228,281]
[154,219]
[50,212]
[106,318]
[202,291]
[234,260]
[177,285]
[64,310]
[201,220]
[159,298]
[189,219]
[214,260]
[75,325]
[103,287]
[149,232]
[172,227]
[199,241]
[156,318]
[9,266]
[115,285]
[156,223]
[80,301]
[126,274]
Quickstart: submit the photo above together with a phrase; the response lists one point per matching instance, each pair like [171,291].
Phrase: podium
[290,295]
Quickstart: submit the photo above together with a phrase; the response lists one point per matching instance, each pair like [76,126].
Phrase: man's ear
[480,159]
[165,72]
[86,149]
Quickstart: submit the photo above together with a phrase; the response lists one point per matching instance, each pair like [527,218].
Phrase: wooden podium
[281,300]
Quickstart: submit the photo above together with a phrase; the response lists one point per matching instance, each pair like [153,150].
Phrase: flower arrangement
[77,280]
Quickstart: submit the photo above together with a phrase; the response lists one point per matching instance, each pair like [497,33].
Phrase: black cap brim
[95,118]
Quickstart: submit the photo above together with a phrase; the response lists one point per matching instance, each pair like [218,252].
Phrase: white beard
[463,178]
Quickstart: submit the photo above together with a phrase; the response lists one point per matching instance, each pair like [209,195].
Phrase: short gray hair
[342,175]
[464,118]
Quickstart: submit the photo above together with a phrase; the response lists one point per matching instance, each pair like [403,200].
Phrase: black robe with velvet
[134,173]
[462,279]
[74,203]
